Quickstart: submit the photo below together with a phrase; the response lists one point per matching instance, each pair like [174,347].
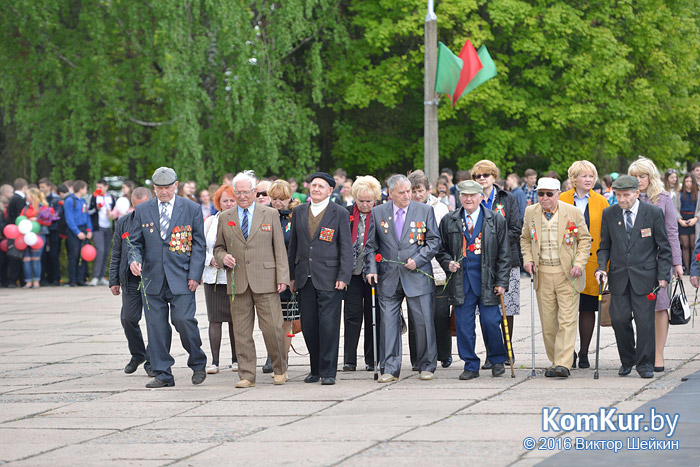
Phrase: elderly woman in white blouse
[214,280]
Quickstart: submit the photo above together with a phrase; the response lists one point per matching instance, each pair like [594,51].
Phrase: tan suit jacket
[576,254]
[261,261]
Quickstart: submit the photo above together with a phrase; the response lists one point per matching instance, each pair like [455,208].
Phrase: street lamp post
[430,98]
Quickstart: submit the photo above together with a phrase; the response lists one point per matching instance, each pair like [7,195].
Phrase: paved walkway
[64,399]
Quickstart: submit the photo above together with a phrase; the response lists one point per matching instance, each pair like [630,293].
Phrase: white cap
[547,183]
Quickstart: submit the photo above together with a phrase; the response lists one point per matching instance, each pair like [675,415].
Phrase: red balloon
[88,252]
[3,245]
[39,243]
[20,244]
[11,231]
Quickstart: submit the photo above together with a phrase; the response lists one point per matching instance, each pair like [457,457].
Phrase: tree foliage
[212,86]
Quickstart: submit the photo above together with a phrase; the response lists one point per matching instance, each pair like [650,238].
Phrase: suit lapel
[327,218]
[638,222]
[156,216]
[410,216]
[390,219]
[538,215]
[232,215]
[302,223]
[563,222]
[179,203]
[256,222]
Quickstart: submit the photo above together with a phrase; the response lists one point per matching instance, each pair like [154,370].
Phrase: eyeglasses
[243,193]
[548,194]
[279,199]
[475,176]
[261,193]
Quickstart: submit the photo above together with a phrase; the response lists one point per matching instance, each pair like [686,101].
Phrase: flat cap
[164,176]
[548,183]
[625,182]
[324,176]
[470,187]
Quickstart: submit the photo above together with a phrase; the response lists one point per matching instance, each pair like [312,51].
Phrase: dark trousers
[103,242]
[50,265]
[358,305]
[624,308]
[441,305]
[3,269]
[181,310]
[14,271]
[77,268]
[320,324]
[130,316]
[490,321]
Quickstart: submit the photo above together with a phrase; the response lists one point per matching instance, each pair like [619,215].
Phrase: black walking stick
[374,332]
[532,320]
[509,348]
[597,338]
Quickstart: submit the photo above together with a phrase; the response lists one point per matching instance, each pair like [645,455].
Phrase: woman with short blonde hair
[367,184]
[652,191]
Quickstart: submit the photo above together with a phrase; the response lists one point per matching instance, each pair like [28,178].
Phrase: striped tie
[244,224]
[470,225]
[628,222]
[164,220]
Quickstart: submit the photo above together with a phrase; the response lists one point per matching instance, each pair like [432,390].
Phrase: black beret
[323,175]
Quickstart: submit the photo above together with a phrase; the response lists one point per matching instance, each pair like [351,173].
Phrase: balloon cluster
[24,233]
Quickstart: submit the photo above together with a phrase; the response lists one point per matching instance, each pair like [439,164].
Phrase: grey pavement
[64,399]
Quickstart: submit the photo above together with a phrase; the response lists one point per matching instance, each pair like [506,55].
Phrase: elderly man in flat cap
[168,252]
[475,252]
[320,266]
[555,245]
[633,239]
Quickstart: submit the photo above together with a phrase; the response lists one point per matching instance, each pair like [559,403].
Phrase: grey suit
[637,264]
[167,266]
[395,282]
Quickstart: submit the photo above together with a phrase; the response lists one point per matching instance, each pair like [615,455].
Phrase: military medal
[326,234]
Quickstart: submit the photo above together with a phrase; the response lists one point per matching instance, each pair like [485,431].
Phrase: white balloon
[31,238]
[25,226]
[123,205]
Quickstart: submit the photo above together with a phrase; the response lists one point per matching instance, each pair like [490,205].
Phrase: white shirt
[316,208]
[581,203]
[17,192]
[103,213]
[634,210]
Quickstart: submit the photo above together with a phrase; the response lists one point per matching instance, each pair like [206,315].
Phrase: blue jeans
[32,262]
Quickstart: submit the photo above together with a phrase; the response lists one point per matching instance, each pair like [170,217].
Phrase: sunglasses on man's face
[548,194]
[477,176]
[260,193]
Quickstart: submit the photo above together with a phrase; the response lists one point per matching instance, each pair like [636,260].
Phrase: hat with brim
[548,183]
[625,182]
[324,176]
[470,187]
[164,176]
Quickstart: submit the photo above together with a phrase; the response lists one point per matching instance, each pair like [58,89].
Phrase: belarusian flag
[457,76]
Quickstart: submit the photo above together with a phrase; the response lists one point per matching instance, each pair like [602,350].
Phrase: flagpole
[430,98]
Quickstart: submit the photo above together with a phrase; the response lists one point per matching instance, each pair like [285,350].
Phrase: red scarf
[356,222]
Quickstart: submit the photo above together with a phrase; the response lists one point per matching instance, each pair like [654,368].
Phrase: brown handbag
[453,322]
[605,307]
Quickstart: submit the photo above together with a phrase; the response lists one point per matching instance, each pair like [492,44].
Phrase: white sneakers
[234,366]
[212,369]
[93,282]
[426,375]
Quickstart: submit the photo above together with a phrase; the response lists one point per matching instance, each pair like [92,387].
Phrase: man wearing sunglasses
[555,245]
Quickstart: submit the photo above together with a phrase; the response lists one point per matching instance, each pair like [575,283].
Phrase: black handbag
[679,309]
[13,252]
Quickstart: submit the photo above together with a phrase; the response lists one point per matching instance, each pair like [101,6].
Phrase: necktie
[628,221]
[399,223]
[548,215]
[244,224]
[470,225]
[164,220]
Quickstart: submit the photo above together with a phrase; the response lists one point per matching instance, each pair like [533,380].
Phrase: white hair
[395,179]
[245,176]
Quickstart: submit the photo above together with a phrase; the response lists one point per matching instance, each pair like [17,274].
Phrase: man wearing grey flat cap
[168,251]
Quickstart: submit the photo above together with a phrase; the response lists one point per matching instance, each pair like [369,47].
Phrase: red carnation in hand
[472,247]
[231,223]
[125,235]
[651,297]
[378,258]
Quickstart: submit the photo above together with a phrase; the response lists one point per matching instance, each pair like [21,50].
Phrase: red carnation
[125,235]
[651,297]
[472,247]
[231,223]
[698,257]
[352,219]
[378,258]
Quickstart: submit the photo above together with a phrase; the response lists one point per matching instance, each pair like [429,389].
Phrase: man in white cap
[555,245]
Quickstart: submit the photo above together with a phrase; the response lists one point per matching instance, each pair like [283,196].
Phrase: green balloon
[35,227]
[20,219]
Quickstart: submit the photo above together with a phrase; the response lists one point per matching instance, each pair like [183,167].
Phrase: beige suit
[261,264]
[557,292]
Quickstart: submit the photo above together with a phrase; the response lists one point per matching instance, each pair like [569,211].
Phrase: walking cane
[597,338]
[509,348]
[532,320]
[374,332]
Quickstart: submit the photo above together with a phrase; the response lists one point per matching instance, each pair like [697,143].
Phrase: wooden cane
[374,332]
[505,328]
[597,338]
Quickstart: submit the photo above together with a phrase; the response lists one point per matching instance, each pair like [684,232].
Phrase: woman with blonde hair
[652,191]
[36,210]
[583,176]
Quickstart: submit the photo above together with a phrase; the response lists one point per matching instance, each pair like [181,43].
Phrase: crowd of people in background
[73,214]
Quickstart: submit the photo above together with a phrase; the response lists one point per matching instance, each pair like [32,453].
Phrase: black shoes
[349,367]
[549,372]
[133,365]
[646,374]
[573,365]
[149,370]
[312,378]
[487,365]
[199,376]
[369,367]
[447,362]
[583,360]
[507,362]
[466,375]
[498,369]
[156,383]
[328,381]
[267,367]
[561,372]
[659,369]
[624,370]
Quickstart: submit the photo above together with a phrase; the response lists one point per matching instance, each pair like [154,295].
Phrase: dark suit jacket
[326,262]
[155,254]
[639,261]
[119,272]
[14,207]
